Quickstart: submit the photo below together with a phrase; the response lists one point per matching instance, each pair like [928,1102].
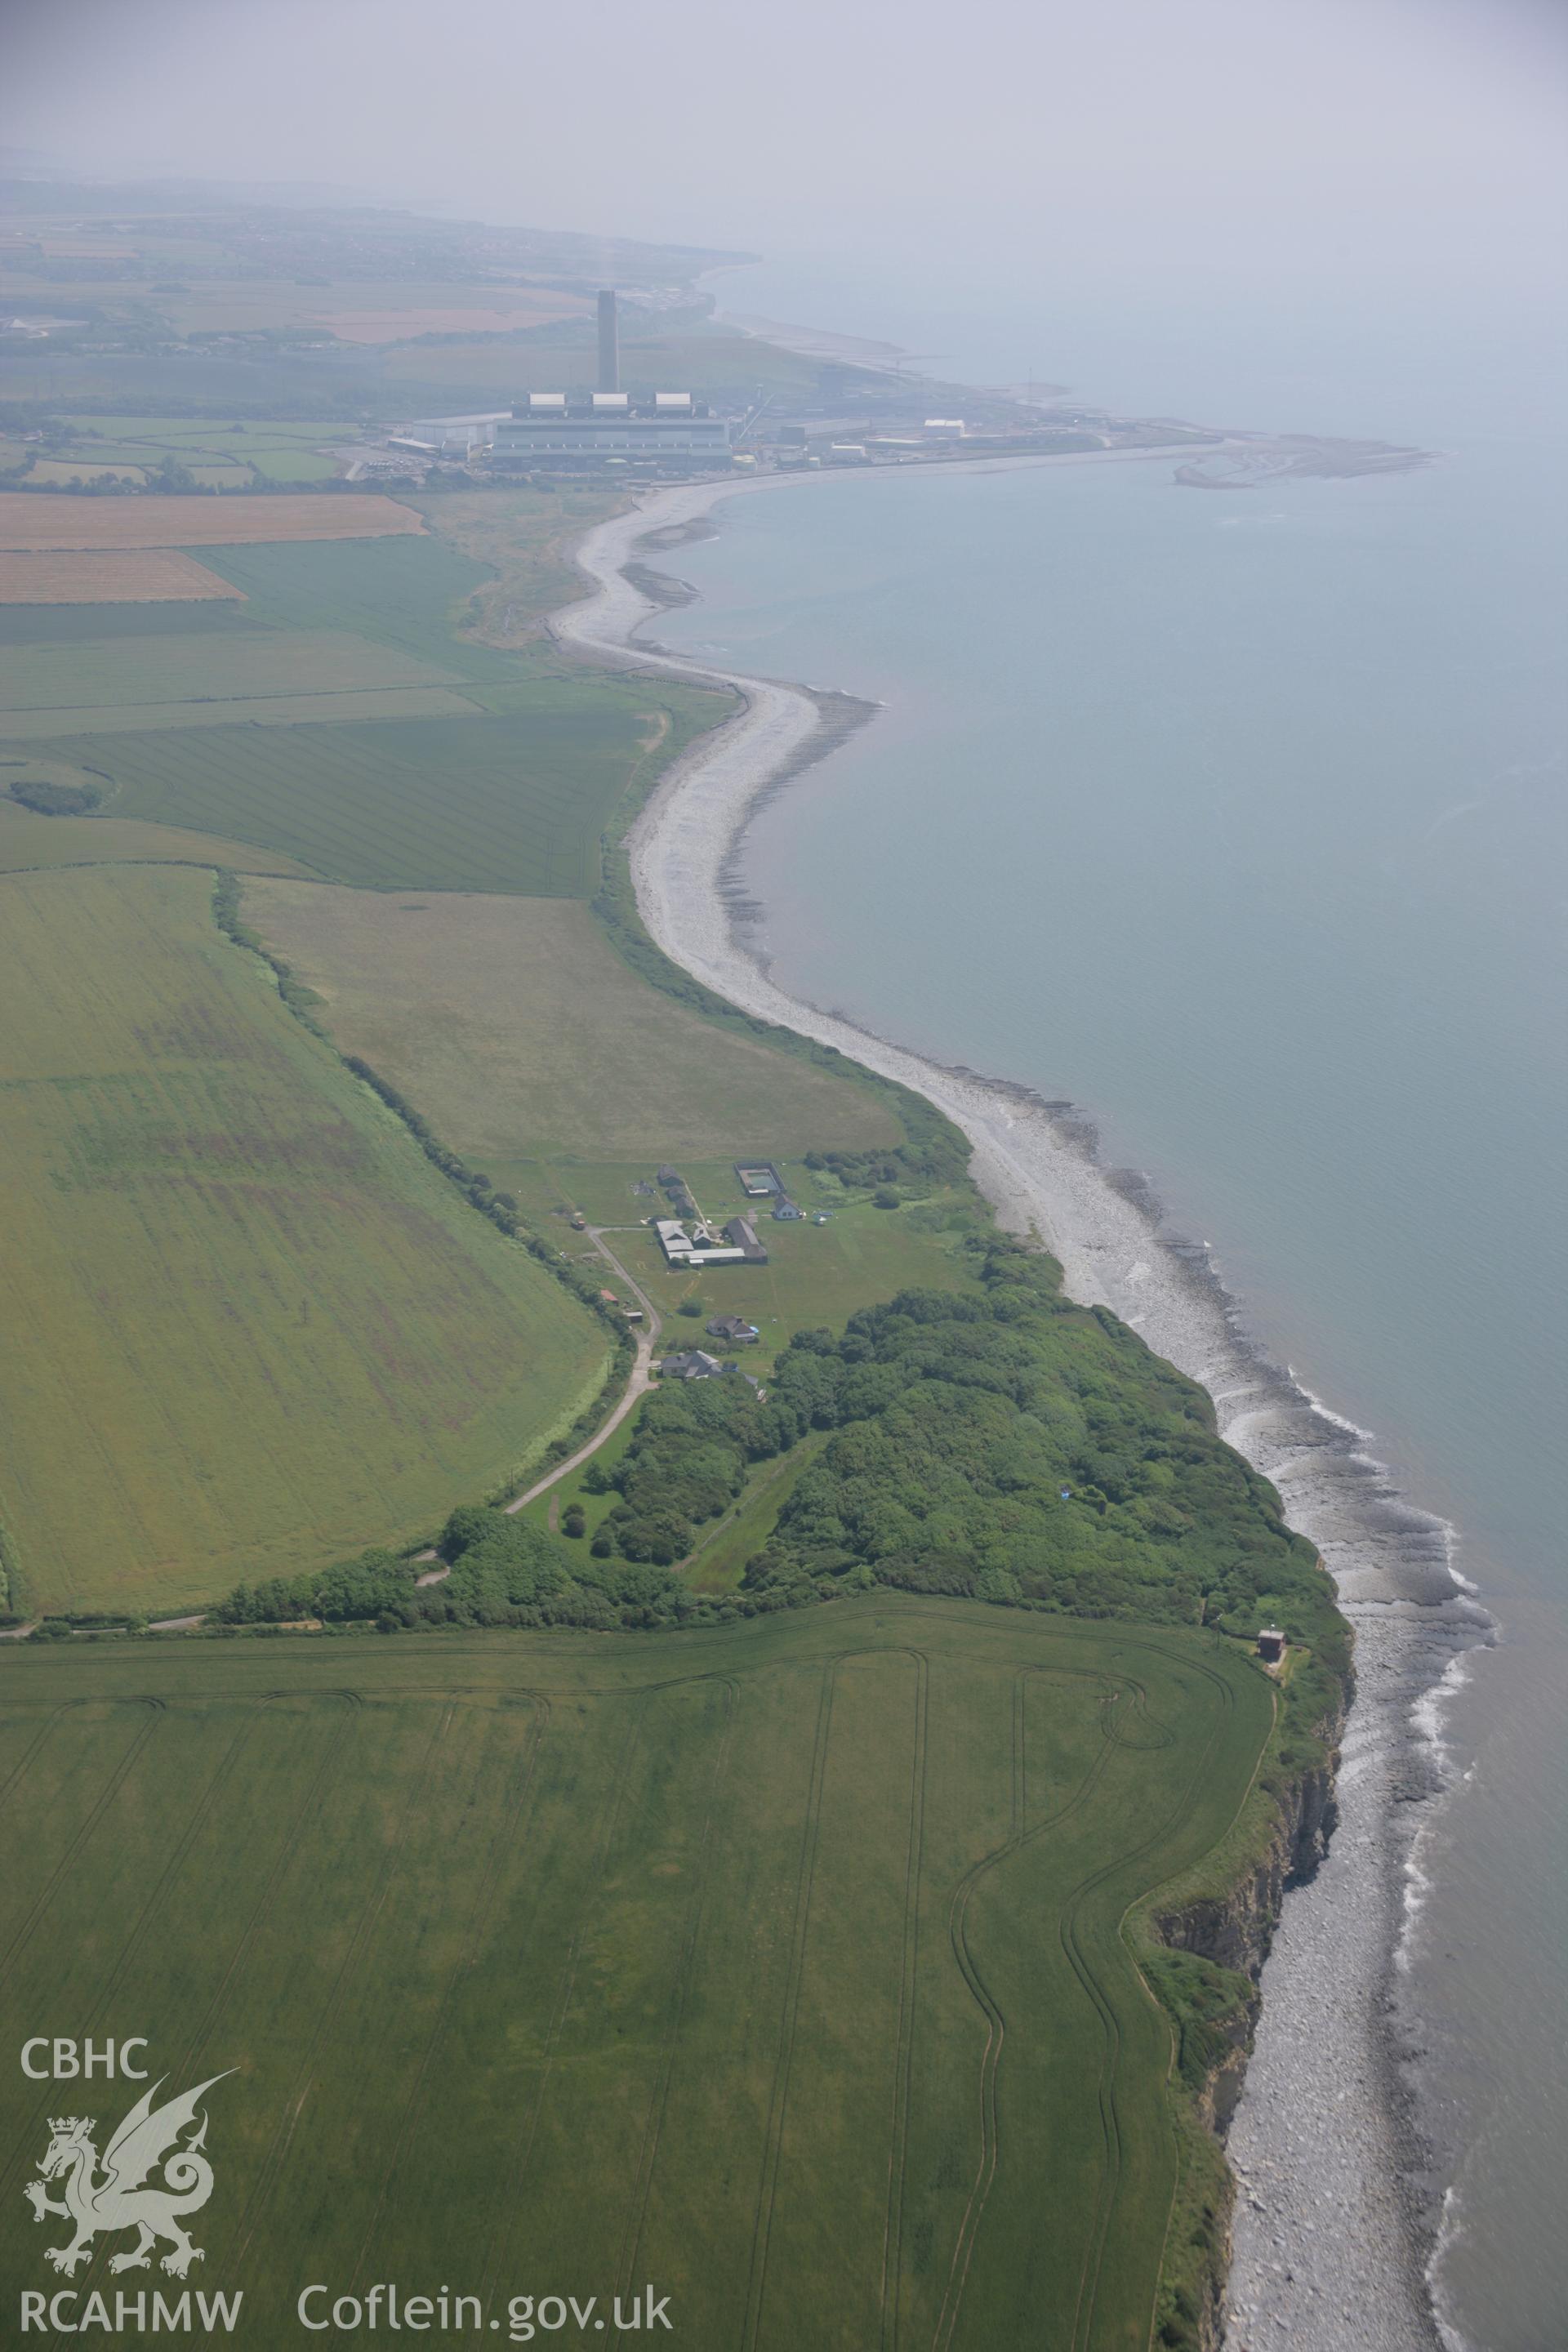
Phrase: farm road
[639,1383]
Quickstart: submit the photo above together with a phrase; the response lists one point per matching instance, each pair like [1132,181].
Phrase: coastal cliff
[1225,1932]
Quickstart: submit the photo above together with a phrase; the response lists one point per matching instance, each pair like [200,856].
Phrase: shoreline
[1335,2228]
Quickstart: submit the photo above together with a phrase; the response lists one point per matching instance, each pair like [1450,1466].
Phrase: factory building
[564,430]
[554,429]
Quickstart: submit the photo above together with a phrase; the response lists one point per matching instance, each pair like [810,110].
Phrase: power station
[563,431]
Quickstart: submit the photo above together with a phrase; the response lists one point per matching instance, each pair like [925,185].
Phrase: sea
[1241,819]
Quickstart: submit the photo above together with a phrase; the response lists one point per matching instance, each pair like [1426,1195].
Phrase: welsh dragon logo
[118,2198]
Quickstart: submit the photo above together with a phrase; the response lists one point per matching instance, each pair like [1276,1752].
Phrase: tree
[573,1520]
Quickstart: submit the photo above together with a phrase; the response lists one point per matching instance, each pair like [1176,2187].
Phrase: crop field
[122,575]
[29,841]
[780,1966]
[270,711]
[518,1030]
[430,803]
[240,664]
[403,591]
[30,519]
[248,1325]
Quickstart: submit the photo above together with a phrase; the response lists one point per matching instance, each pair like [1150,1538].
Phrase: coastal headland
[1332,2232]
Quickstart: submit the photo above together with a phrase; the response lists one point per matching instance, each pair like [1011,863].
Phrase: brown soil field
[130,575]
[36,521]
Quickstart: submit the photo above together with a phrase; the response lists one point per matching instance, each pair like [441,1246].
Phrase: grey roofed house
[785,1209]
[692,1364]
[733,1326]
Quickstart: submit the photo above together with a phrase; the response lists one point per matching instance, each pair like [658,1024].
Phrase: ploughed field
[32,519]
[782,1966]
[250,1322]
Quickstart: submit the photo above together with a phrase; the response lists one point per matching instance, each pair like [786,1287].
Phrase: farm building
[743,1235]
[697,1364]
[691,1364]
[702,1246]
[1271,1645]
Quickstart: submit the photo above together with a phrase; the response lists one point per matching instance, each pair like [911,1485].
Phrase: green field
[782,1966]
[28,840]
[512,1024]
[95,727]
[415,803]
[503,779]
[249,1323]
[203,667]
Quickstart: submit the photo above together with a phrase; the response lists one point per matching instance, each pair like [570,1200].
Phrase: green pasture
[783,1965]
[411,602]
[413,803]
[517,1030]
[249,1328]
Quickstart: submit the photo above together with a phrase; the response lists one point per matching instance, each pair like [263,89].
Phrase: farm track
[500,1854]
[640,1380]
[773,2142]
[653,2128]
[604,1845]
[891,2294]
[363,1933]
[258,1913]
[63,1868]
[995,2023]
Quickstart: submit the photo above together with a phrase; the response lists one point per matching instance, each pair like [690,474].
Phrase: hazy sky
[1305,136]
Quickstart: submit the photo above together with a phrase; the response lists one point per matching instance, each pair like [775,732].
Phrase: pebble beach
[1335,2221]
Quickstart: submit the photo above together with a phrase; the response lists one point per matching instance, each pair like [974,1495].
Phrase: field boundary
[302,1002]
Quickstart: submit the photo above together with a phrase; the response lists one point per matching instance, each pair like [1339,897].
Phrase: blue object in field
[1066,1494]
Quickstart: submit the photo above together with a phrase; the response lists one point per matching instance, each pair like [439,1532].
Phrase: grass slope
[515,1028]
[782,1965]
[249,1324]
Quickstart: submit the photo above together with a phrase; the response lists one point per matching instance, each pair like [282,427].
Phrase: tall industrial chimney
[609,345]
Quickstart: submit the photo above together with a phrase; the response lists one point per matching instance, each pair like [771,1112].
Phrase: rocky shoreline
[1331,2235]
